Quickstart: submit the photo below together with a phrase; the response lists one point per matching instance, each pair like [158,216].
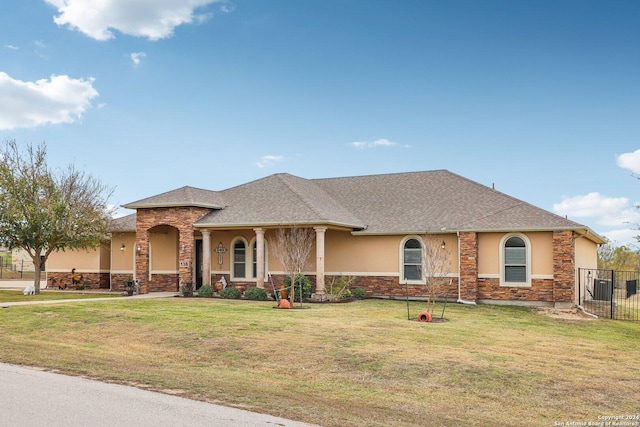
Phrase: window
[239,259]
[515,261]
[412,260]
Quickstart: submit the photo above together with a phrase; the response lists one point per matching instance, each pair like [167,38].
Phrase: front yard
[361,363]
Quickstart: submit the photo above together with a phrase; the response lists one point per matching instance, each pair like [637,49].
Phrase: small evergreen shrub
[205,291]
[358,293]
[255,293]
[306,286]
[230,293]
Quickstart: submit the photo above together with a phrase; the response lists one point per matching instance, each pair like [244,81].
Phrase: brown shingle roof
[185,196]
[280,199]
[123,224]
[432,201]
[400,203]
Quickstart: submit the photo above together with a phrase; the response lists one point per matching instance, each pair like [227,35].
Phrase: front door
[198,265]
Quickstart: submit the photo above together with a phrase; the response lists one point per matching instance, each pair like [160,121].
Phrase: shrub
[255,293]
[230,293]
[205,291]
[338,289]
[79,287]
[300,279]
[358,293]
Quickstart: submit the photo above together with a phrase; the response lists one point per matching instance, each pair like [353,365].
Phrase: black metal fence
[609,293]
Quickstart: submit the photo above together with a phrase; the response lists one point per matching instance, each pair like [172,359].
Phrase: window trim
[401,264]
[527,248]
[247,257]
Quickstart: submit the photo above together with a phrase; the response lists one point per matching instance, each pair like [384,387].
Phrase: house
[503,250]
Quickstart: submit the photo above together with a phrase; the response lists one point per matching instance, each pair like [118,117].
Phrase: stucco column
[259,257]
[206,257]
[320,260]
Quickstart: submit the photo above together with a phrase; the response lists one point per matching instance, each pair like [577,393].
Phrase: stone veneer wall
[119,281]
[469,266]
[91,280]
[540,290]
[564,267]
[181,218]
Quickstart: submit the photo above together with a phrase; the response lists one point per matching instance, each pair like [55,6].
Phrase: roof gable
[280,199]
[185,196]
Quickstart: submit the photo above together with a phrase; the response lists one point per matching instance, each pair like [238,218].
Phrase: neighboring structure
[21,260]
[503,249]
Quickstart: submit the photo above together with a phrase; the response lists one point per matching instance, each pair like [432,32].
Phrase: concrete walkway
[20,285]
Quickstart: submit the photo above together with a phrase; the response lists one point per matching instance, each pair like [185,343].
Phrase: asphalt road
[30,397]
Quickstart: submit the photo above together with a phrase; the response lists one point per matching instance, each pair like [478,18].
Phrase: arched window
[239,259]
[515,261]
[412,260]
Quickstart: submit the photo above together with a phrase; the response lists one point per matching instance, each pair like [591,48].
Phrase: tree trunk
[37,270]
[292,291]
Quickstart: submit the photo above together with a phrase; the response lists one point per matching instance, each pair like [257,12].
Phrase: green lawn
[18,296]
[355,364]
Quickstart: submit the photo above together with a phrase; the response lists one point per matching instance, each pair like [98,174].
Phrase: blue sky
[539,98]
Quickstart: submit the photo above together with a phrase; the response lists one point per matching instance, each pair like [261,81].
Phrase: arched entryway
[164,253]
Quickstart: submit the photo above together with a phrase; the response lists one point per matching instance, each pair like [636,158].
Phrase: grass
[44,295]
[361,363]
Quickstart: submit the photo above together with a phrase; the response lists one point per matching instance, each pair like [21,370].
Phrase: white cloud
[625,236]
[153,19]
[136,57]
[630,161]
[59,99]
[268,160]
[591,205]
[11,47]
[377,143]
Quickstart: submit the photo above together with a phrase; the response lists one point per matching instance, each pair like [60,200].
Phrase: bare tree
[436,266]
[292,248]
[42,211]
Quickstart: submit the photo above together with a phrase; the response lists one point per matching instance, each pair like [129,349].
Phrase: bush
[205,291]
[300,279]
[230,293]
[358,293]
[255,293]
[338,289]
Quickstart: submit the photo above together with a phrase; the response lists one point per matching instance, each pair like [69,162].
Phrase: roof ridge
[306,201]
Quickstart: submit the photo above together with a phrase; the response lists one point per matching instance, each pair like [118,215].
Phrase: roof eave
[278,224]
[171,205]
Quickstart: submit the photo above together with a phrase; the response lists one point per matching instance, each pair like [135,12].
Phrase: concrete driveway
[30,397]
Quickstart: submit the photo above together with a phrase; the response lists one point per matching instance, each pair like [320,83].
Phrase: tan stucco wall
[344,252]
[91,261]
[357,254]
[586,253]
[123,260]
[541,252]
[164,249]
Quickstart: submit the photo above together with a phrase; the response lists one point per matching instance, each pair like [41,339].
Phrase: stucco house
[503,250]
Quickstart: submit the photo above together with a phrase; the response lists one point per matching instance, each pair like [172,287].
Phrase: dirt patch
[567,314]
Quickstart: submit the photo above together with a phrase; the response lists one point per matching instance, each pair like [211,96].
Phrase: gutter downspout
[581,308]
[460,300]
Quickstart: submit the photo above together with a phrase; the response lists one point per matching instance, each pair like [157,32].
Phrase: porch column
[320,260]
[259,257]
[206,257]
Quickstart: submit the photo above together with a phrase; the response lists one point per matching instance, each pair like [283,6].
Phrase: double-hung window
[515,260]
[412,260]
